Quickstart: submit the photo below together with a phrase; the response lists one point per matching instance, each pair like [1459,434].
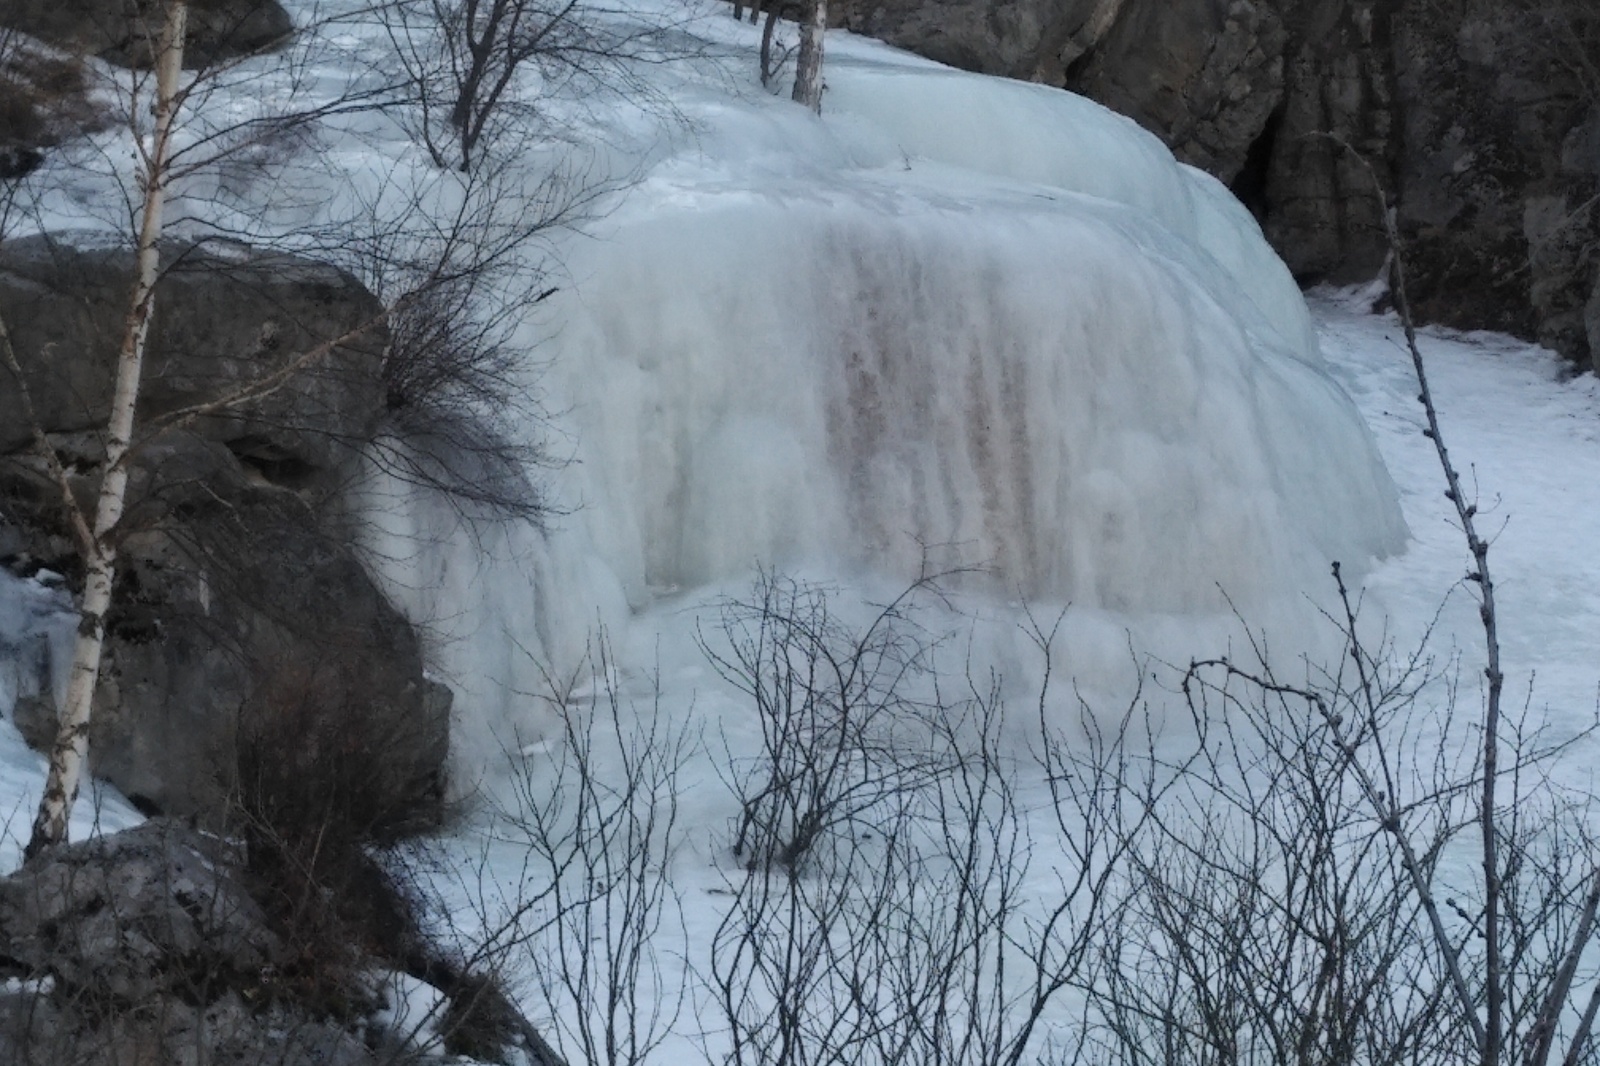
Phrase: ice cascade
[957,312]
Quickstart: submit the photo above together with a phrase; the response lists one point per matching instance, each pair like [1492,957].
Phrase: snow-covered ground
[1525,433]
[958,312]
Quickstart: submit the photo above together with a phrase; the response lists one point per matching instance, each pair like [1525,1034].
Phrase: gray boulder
[225,316]
[107,917]
[44,100]
[120,31]
[230,590]
[148,946]
[237,583]
[164,945]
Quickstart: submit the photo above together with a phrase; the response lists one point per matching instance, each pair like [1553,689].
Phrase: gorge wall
[1483,116]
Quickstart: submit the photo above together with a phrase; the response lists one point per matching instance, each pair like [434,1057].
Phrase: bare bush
[1357,870]
[569,896]
[462,419]
[842,727]
[325,771]
[908,927]
[602,829]
[1270,916]
[463,58]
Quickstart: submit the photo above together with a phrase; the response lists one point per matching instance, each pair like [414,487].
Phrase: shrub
[325,771]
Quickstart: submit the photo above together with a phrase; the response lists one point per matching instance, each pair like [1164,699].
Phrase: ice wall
[37,627]
[955,312]
[1032,133]
[1060,390]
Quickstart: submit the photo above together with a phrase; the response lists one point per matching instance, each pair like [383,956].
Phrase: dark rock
[1475,113]
[44,100]
[1203,75]
[1022,39]
[224,318]
[1580,152]
[1591,321]
[1319,205]
[235,567]
[120,31]
[1496,237]
[149,946]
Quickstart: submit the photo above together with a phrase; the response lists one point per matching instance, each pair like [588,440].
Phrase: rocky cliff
[1482,116]
[242,614]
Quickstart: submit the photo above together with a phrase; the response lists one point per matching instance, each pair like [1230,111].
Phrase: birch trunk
[72,735]
[808,67]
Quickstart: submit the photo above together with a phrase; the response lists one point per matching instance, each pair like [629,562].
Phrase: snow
[37,626]
[409,1013]
[957,322]
[1526,437]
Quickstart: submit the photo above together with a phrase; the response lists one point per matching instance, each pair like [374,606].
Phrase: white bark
[808,67]
[72,736]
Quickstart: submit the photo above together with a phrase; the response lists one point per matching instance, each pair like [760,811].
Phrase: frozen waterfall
[961,313]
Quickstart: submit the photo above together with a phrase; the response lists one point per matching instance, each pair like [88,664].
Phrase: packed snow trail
[1526,435]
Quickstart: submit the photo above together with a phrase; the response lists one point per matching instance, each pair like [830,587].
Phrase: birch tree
[96,536]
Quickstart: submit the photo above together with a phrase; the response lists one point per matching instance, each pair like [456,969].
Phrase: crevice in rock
[272,463]
[1250,184]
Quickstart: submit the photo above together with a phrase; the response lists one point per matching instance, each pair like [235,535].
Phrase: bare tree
[94,536]
[774,55]
[462,59]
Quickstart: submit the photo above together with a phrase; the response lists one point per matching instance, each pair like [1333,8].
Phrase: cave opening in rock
[1250,184]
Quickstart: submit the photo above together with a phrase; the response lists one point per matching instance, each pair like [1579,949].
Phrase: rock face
[1023,39]
[1483,115]
[236,571]
[1497,161]
[44,99]
[164,946]
[1205,75]
[224,316]
[118,31]
[148,947]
